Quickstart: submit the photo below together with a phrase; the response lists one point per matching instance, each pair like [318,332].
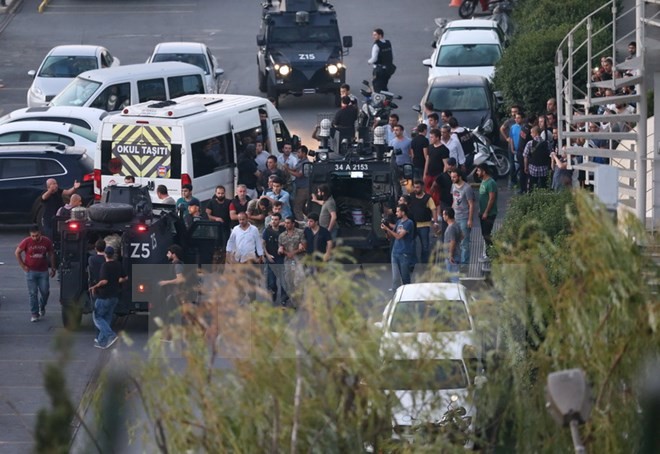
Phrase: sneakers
[110,343]
[34,318]
[42,311]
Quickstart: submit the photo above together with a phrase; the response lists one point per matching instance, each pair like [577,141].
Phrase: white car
[465,52]
[197,54]
[85,117]
[431,356]
[475,24]
[61,66]
[50,132]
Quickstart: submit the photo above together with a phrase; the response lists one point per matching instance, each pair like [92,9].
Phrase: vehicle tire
[71,317]
[466,10]
[110,212]
[502,164]
[262,81]
[271,92]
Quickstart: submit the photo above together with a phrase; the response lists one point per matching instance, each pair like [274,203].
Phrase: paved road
[130,30]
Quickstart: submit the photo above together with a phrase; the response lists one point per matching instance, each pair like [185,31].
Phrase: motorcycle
[375,111]
[484,152]
[468,7]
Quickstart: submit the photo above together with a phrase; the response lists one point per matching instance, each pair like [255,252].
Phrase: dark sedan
[470,99]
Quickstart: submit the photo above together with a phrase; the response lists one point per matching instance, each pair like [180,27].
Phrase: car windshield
[77,93]
[427,374]
[70,67]
[303,34]
[192,59]
[459,98]
[430,316]
[465,55]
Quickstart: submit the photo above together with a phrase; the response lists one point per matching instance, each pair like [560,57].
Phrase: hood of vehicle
[484,71]
[51,86]
[416,407]
[471,118]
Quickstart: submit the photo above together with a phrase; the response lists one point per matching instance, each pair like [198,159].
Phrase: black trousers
[381,78]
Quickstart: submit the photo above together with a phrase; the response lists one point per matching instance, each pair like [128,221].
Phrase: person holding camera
[400,145]
[403,247]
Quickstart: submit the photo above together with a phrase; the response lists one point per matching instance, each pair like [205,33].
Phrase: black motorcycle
[375,111]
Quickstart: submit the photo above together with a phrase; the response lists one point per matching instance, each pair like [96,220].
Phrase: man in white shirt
[450,141]
[288,160]
[244,245]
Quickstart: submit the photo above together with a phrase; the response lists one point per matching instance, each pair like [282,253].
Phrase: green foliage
[526,74]
[596,316]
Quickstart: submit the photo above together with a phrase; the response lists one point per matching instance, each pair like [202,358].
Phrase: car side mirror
[417,108]
[261,40]
[32,73]
[499,97]
[347,41]
[219,72]
[480,381]
[426,62]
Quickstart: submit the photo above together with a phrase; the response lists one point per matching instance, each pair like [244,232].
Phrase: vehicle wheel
[502,164]
[466,10]
[71,317]
[262,81]
[271,92]
[110,212]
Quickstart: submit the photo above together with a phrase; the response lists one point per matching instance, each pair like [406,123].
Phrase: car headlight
[488,126]
[332,69]
[38,92]
[283,70]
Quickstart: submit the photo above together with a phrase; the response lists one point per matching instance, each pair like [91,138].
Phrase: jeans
[452,269]
[102,316]
[275,280]
[400,269]
[424,234]
[465,244]
[38,283]
[486,230]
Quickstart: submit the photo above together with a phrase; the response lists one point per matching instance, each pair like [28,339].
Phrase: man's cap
[451,161]
[110,251]
[193,203]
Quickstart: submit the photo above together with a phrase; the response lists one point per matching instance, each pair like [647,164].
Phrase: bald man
[52,201]
[74,201]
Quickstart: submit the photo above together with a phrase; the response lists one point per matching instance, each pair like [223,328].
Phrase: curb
[9,13]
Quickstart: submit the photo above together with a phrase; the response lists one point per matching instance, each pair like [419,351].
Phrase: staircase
[617,106]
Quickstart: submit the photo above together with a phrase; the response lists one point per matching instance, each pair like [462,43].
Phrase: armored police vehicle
[366,191]
[300,50]
[140,233]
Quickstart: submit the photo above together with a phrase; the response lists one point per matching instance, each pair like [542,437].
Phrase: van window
[152,90]
[282,134]
[244,138]
[115,97]
[185,85]
[211,154]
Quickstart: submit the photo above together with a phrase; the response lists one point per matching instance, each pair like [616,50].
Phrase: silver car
[197,54]
[61,66]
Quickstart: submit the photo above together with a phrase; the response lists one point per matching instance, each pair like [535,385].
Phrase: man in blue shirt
[403,248]
[279,194]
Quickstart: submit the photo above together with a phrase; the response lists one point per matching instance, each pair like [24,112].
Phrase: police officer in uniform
[382,59]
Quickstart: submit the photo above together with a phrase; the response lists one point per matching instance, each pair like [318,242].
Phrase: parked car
[61,65]
[474,24]
[49,132]
[465,52]
[432,354]
[471,100]
[24,169]
[85,117]
[197,54]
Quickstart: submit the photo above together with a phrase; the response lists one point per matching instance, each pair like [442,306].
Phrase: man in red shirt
[39,254]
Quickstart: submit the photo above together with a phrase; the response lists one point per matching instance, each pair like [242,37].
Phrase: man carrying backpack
[537,160]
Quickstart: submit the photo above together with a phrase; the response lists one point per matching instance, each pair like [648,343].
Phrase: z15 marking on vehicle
[351,166]
[306,57]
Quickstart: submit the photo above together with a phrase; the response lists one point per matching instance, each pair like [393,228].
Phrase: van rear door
[245,126]
[147,153]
